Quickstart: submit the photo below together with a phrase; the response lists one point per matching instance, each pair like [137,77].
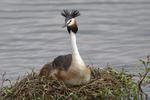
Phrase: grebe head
[70,21]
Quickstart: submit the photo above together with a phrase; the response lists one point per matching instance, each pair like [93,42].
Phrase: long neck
[75,53]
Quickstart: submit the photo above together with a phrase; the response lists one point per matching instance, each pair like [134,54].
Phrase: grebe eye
[69,22]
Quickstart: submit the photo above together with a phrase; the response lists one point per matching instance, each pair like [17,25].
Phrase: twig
[1,84]
[146,72]
[3,79]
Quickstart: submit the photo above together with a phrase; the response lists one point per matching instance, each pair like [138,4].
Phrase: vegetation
[106,84]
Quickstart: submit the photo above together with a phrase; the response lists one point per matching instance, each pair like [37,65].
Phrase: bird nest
[104,84]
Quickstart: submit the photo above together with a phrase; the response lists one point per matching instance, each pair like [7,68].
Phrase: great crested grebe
[69,68]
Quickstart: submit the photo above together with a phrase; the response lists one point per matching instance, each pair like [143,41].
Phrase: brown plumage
[49,71]
[73,28]
[60,63]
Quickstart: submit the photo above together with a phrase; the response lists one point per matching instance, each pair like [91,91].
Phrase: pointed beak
[64,26]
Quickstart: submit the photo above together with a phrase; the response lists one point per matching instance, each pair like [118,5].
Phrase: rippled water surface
[114,31]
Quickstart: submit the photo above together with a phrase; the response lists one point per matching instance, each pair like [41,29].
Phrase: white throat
[76,58]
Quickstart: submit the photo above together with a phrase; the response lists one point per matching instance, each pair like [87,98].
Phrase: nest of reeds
[104,84]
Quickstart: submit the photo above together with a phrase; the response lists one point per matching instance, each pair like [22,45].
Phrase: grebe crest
[70,21]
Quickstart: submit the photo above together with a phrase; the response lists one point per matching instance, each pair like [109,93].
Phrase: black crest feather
[69,15]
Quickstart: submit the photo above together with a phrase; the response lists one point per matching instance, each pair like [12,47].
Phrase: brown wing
[62,62]
[45,71]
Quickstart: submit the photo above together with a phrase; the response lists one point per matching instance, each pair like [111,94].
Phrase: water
[114,31]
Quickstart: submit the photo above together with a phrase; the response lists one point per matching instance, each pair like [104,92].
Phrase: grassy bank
[106,84]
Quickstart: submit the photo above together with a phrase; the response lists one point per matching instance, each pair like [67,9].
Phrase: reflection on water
[113,31]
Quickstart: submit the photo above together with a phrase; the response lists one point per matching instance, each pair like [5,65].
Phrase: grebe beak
[65,25]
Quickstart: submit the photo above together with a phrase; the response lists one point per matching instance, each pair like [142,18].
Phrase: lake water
[110,31]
